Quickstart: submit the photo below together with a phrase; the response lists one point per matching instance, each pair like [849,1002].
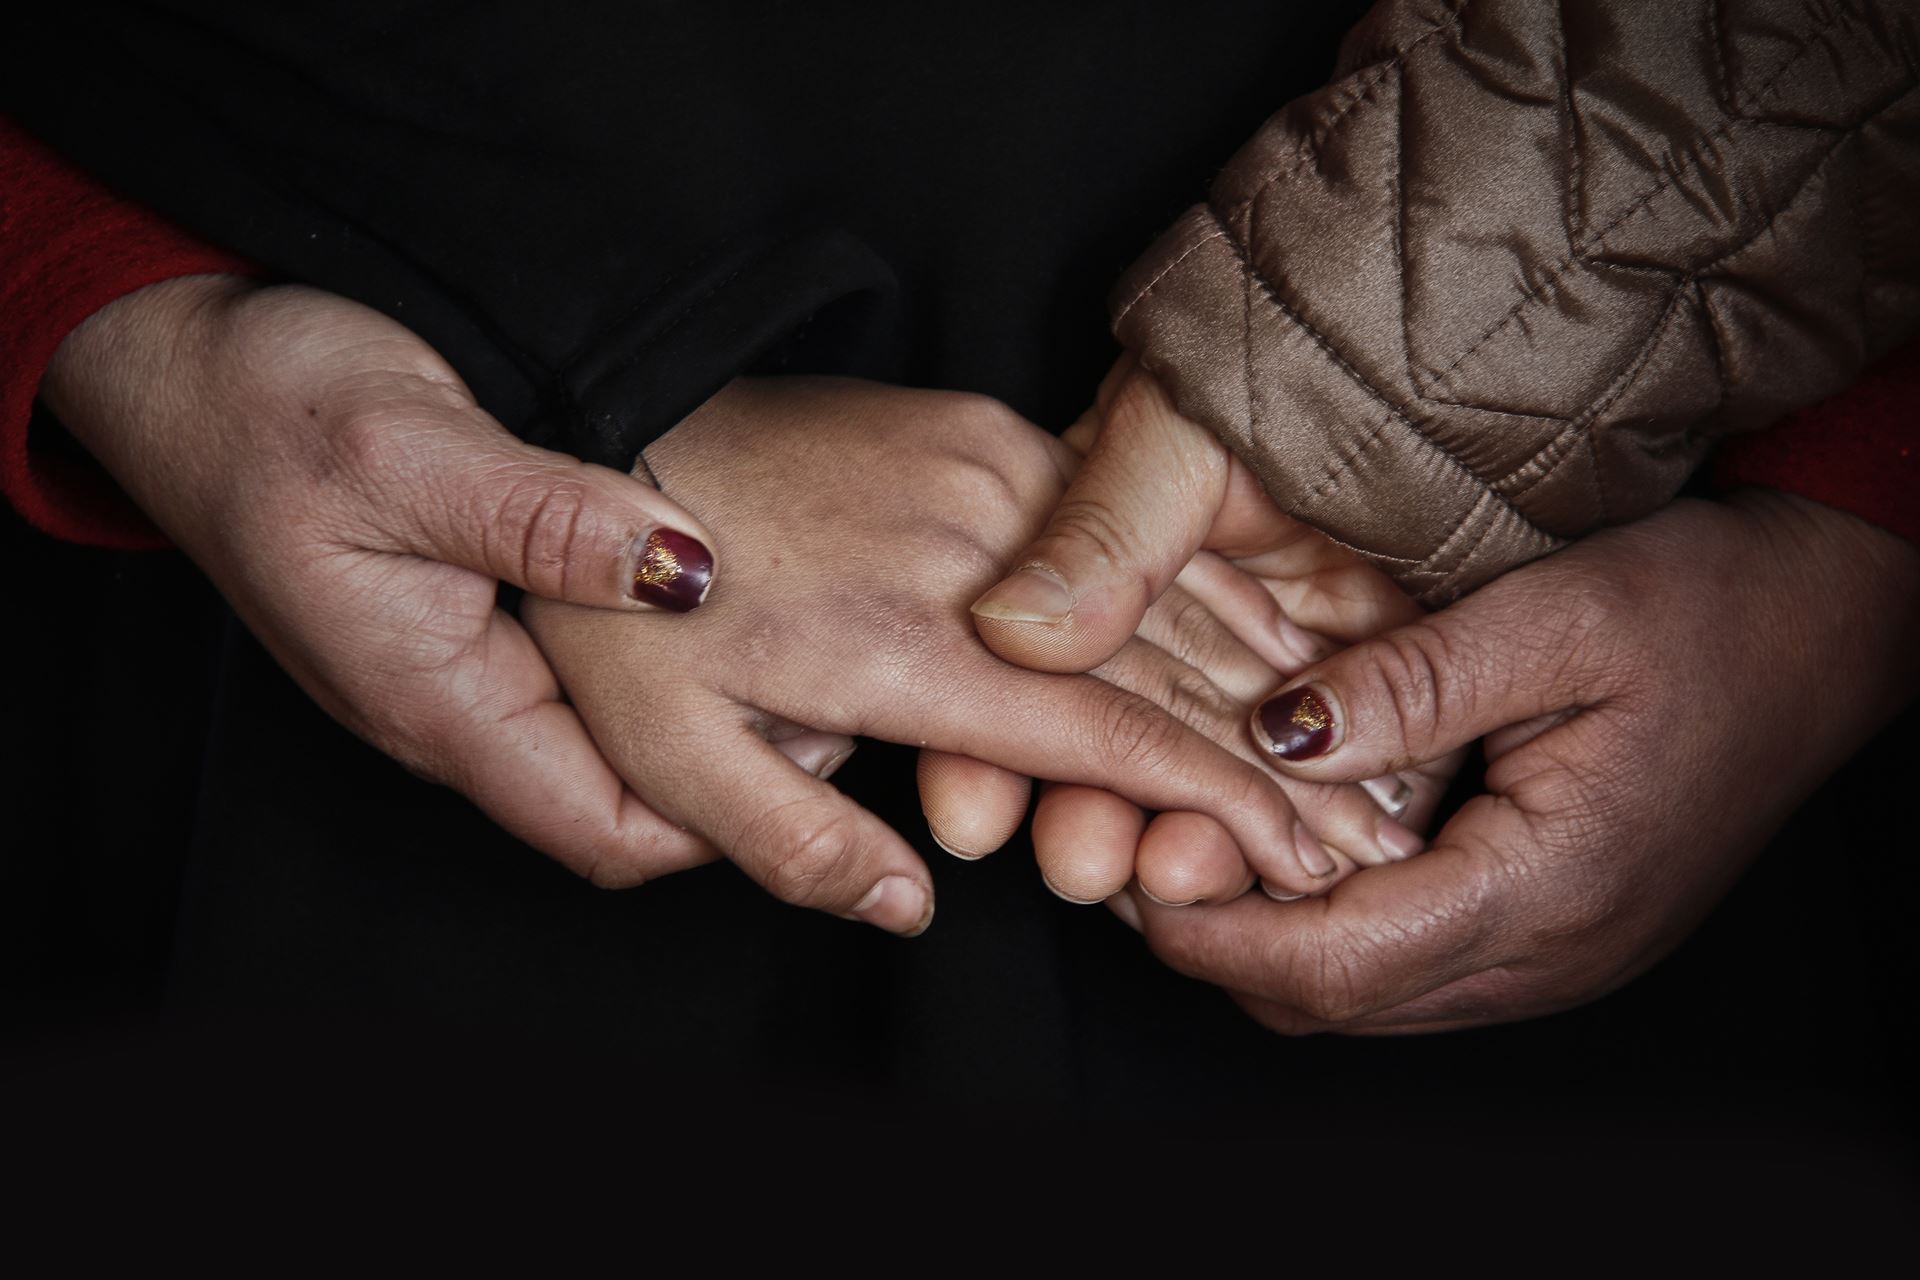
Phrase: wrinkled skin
[1654,703]
[336,481]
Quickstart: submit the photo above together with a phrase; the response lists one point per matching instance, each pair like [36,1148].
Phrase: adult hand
[1654,701]
[1122,547]
[336,481]
[857,519]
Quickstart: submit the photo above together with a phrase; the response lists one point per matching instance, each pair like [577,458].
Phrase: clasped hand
[337,482]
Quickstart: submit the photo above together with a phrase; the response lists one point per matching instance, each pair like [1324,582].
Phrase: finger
[1378,940]
[1413,797]
[1188,858]
[545,522]
[1182,625]
[814,752]
[1136,511]
[1084,840]
[972,807]
[524,757]
[1501,656]
[1345,824]
[1084,730]
[1246,607]
[794,834]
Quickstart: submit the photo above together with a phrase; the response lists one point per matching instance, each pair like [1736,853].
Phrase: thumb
[1139,507]
[1501,656]
[548,523]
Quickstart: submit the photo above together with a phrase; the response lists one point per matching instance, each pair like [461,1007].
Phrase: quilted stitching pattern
[1507,278]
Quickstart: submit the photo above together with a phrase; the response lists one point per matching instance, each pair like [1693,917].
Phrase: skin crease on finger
[1613,826]
[844,609]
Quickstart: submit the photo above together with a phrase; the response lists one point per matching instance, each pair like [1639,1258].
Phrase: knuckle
[1417,681]
[1195,700]
[1090,523]
[1136,734]
[360,441]
[810,855]
[544,520]
[981,417]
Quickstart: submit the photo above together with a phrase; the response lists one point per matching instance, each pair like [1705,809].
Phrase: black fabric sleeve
[594,258]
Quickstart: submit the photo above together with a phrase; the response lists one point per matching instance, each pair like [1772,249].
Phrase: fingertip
[1085,840]
[1189,858]
[899,904]
[972,807]
[1063,648]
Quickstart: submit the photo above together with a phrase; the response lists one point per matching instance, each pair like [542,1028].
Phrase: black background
[215,904]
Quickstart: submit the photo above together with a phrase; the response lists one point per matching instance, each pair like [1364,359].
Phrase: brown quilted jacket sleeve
[1506,279]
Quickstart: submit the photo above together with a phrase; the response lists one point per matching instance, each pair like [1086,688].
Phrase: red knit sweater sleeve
[1859,451]
[68,247]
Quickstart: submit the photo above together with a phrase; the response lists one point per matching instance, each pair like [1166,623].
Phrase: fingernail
[1067,897]
[1277,896]
[1128,910]
[961,854]
[672,571]
[1154,897]
[898,905]
[1295,725]
[832,766]
[1313,855]
[1034,594]
[1397,841]
[1392,793]
[1307,648]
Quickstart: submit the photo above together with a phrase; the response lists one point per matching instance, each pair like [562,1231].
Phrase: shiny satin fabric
[1506,279]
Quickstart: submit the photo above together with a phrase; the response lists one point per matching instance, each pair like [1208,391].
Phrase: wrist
[1855,583]
[106,370]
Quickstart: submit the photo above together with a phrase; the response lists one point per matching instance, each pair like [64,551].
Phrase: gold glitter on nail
[1310,714]
[658,566]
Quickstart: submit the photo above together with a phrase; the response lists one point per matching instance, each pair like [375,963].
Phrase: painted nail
[672,572]
[898,905]
[1295,725]
[1128,910]
[1034,594]
[1313,855]
[1392,793]
[1397,842]
[961,854]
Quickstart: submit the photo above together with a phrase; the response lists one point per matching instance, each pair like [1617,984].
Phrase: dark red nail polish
[1297,724]
[674,571]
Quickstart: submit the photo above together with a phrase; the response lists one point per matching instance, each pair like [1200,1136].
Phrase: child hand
[855,521]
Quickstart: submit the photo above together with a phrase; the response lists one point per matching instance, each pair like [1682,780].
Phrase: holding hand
[1654,701]
[336,481]
[1123,549]
[856,520]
